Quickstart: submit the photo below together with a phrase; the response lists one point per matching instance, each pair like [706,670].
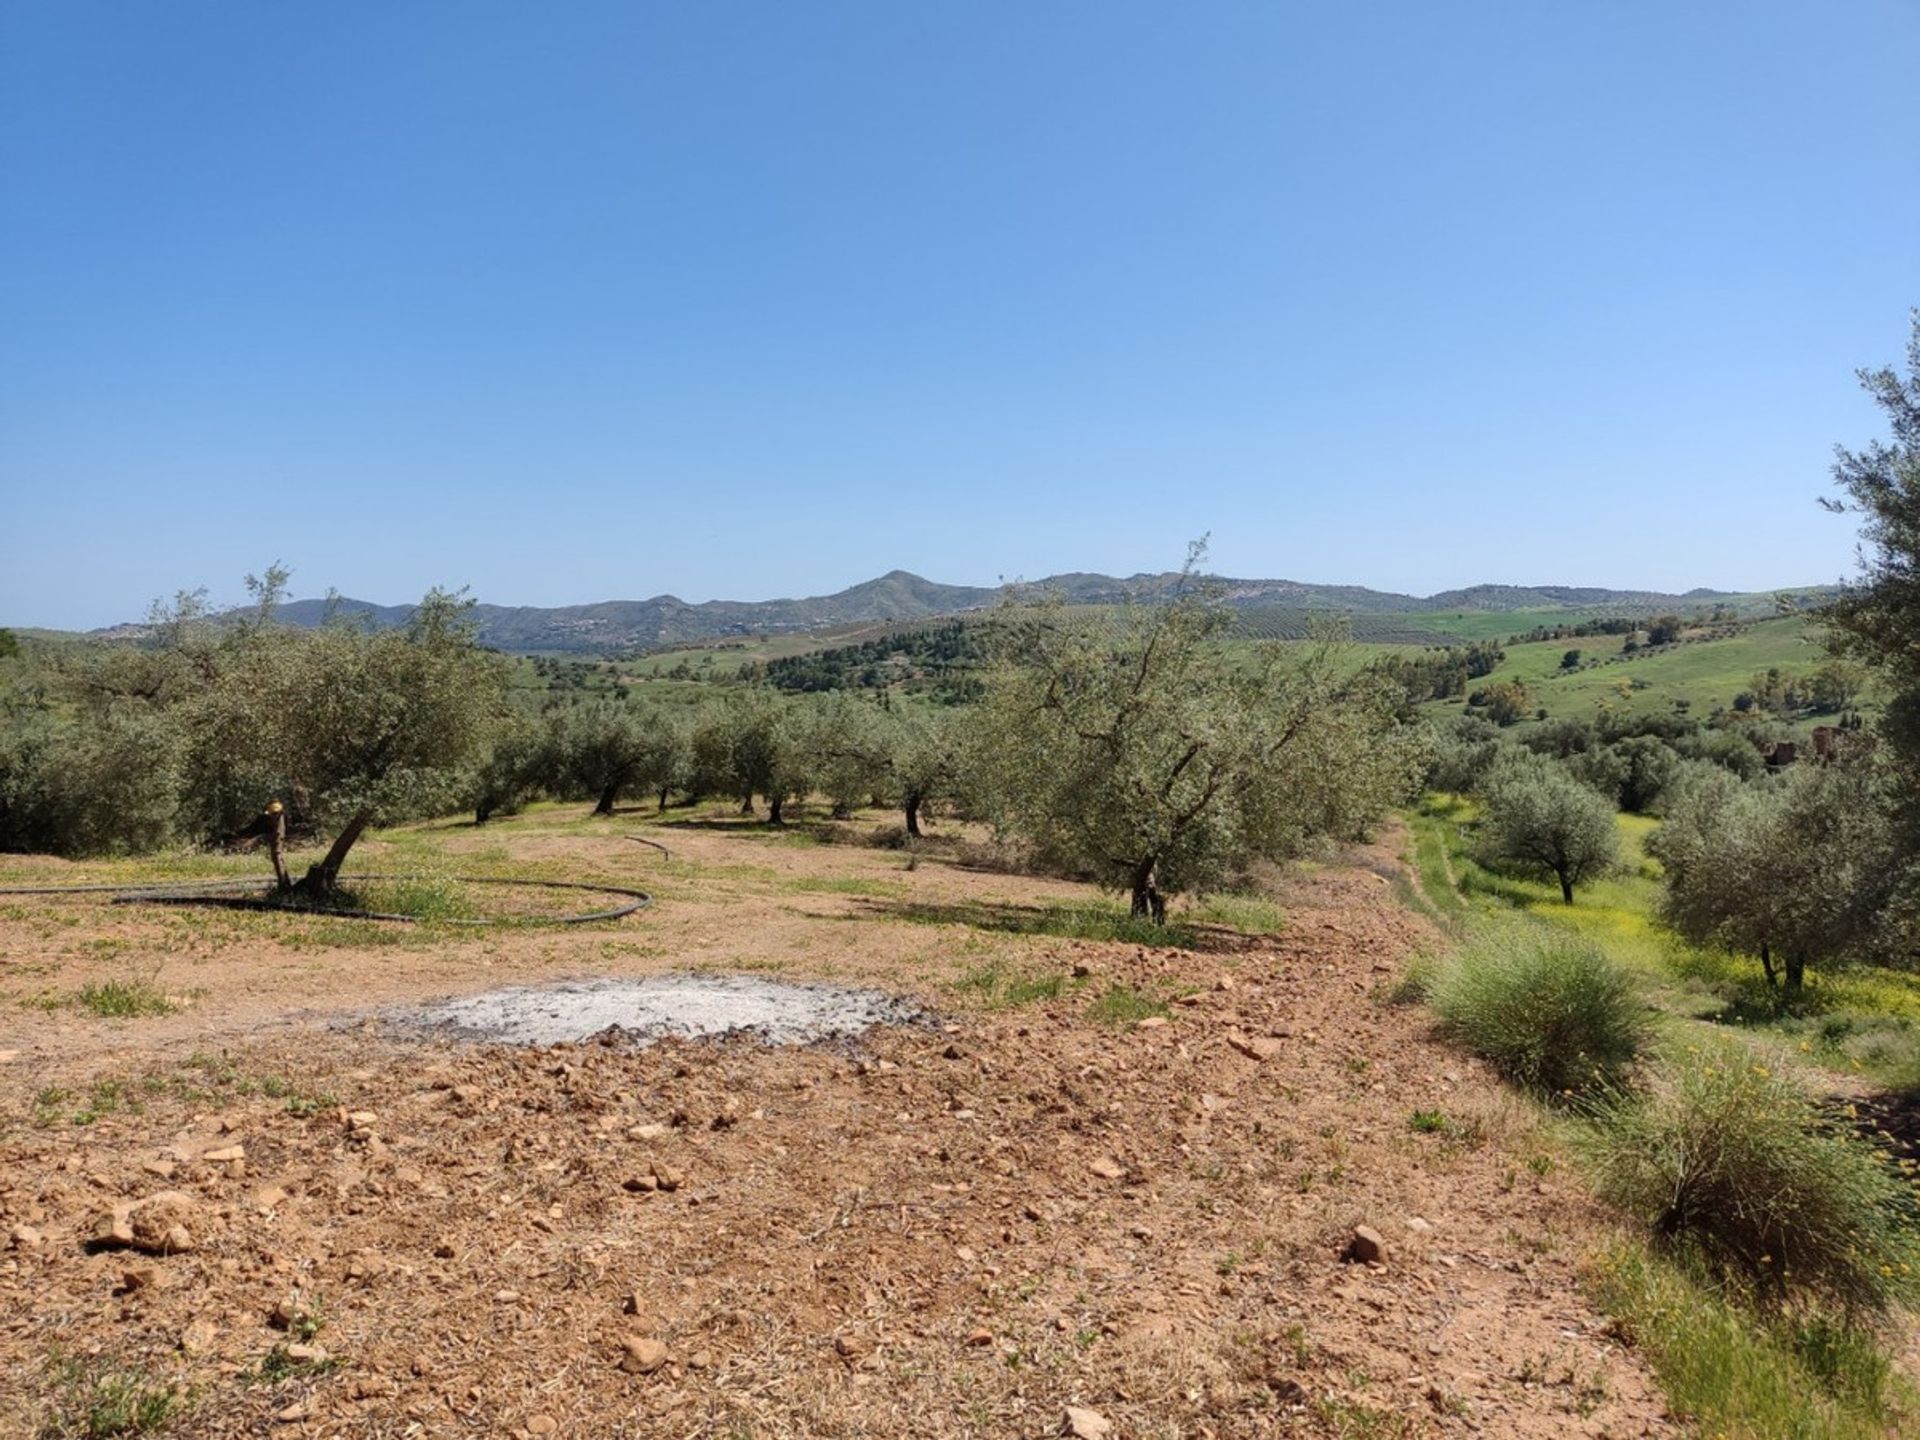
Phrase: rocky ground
[1272,1205]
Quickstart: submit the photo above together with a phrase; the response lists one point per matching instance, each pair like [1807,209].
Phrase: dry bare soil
[1099,1175]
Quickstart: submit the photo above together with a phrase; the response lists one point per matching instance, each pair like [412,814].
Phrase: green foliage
[1148,756]
[609,749]
[1800,869]
[101,1399]
[117,747]
[525,755]
[1506,702]
[1550,1011]
[1539,816]
[1733,1164]
[1877,618]
[1124,1006]
[123,998]
[1735,1376]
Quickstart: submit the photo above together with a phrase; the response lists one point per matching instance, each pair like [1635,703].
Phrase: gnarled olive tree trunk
[1148,902]
[322,880]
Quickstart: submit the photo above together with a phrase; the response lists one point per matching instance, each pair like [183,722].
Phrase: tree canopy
[1144,753]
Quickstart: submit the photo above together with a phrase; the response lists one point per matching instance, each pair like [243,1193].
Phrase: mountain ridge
[900,595]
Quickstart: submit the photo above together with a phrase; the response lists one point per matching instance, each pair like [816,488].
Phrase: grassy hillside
[1859,1019]
[1704,671]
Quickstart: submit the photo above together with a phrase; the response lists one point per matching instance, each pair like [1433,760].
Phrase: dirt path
[950,1229]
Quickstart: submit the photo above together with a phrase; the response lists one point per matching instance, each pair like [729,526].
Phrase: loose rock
[1366,1247]
[642,1355]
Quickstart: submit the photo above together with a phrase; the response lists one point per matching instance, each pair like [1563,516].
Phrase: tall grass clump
[1734,1375]
[1549,1010]
[1736,1168]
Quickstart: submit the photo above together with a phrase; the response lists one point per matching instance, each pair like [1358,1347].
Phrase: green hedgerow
[1737,1165]
[1551,1011]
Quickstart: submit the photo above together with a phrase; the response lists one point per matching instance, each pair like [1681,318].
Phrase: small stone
[198,1337]
[1366,1247]
[1254,1047]
[542,1425]
[638,1183]
[1419,1226]
[667,1177]
[362,1120]
[25,1237]
[268,1196]
[224,1154]
[646,1132]
[642,1355]
[852,1347]
[162,1168]
[136,1278]
[1153,1022]
[307,1354]
[114,1227]
[1085,1424]
[299,1410]
[1108,1168]
[979,1337]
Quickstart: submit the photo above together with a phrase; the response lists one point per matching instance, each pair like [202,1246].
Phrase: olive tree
[1145,751]
[755,742]
[926,762]
[524,756]
[1877,618]
[851,742]
[357,724]
[1538,816]
[1795,871]
[610,749]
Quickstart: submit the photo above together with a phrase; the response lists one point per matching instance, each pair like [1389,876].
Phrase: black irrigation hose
[209,893]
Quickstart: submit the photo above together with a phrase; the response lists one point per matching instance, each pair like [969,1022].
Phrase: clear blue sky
[584,301]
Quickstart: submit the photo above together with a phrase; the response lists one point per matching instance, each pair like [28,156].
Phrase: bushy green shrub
[1551,1011]
[1735,1164]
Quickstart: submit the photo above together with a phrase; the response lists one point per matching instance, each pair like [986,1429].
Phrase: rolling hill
[631,626]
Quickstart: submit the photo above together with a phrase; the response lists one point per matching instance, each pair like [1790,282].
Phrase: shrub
[1551,1011]
[1737,1166]
[1539,817]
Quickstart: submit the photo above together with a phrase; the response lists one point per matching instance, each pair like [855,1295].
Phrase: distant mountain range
[633,625]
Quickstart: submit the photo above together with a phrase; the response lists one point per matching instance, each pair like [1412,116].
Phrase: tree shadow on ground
[1065,921]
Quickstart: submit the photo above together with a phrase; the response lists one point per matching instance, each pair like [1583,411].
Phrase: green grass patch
[844,885]
[1858,1019]
[123,999]
[99,1399]
[1125,1006]
[1737,1377]
[998,987]
[1249,914]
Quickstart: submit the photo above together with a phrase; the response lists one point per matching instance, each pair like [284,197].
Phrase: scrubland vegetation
[1688,931]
